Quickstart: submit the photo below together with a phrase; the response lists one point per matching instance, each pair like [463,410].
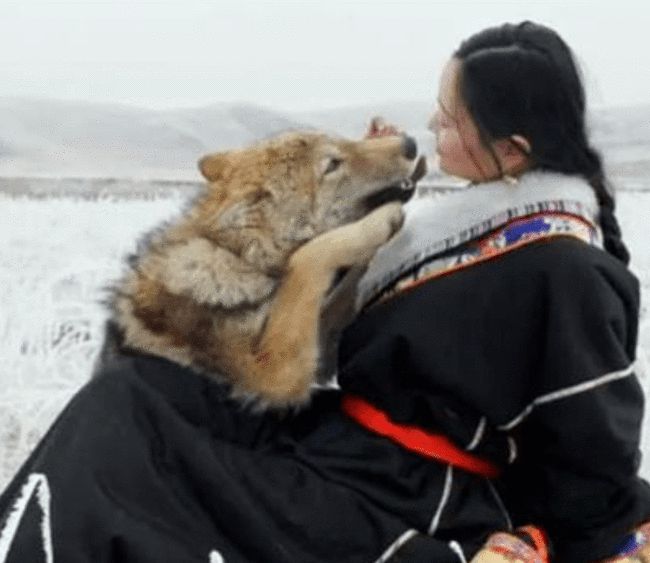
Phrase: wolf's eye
[332,165]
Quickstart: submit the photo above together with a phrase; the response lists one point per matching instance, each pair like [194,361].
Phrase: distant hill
[52,138]
[56,138]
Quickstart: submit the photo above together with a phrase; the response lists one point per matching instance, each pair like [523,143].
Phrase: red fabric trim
[435,446]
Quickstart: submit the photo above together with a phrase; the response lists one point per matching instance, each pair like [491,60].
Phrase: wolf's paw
[353,244]
[385,221]
[363,238]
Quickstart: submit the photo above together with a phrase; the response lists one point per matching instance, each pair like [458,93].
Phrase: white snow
[56,258]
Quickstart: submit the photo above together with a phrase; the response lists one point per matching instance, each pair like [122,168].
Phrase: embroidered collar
[504,239]
[439,224]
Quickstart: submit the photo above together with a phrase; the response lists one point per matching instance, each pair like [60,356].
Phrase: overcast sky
[292,55]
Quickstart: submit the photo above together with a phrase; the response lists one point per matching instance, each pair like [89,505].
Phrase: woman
[492,357]
[511,110]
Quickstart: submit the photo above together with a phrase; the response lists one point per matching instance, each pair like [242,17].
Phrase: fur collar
[438,224]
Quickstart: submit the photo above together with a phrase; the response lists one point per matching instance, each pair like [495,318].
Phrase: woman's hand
[487,556]
[504,547]
[379,128]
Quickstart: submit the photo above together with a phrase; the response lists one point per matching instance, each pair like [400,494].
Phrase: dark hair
[523,80]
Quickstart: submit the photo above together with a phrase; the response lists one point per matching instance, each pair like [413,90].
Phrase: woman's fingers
[379,128]
[376,123]
[487,556]
[505,546]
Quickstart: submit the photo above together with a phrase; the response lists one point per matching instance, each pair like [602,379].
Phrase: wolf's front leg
[354,244]
[339,309]
[283,367]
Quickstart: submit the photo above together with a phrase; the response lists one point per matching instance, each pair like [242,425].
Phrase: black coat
[531,352]
[541,341]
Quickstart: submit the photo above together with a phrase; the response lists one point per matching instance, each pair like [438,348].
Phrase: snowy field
[56,258]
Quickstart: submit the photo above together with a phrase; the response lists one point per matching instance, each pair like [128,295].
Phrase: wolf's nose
[409,147]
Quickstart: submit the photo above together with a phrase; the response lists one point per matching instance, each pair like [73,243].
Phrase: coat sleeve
[578,437]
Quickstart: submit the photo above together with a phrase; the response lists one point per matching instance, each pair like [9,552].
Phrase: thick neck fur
[188,295]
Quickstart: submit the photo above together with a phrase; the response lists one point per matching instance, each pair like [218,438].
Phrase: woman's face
[458,145]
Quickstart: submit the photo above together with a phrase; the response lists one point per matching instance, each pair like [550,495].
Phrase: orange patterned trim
[491,253]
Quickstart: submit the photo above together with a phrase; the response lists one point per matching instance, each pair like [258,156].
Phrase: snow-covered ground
[57,255]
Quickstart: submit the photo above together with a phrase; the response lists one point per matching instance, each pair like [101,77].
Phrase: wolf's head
[288,189]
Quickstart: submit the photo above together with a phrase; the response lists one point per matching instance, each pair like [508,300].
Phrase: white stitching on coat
[443,500]
[396,545]
[36,483]
[567,392]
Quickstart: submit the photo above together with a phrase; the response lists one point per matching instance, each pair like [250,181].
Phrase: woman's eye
[333,164]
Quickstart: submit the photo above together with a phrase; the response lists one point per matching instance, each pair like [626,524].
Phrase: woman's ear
[213,165]
[514,153]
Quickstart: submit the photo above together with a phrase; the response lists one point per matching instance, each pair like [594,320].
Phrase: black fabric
[491,339]
[152,462]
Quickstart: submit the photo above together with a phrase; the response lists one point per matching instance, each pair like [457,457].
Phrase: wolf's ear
[212,165]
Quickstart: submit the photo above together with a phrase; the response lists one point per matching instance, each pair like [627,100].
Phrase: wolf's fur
[235,287]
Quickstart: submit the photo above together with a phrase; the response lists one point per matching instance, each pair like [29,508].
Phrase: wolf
[238,286]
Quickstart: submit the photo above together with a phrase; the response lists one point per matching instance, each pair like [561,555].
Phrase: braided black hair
[523,80]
